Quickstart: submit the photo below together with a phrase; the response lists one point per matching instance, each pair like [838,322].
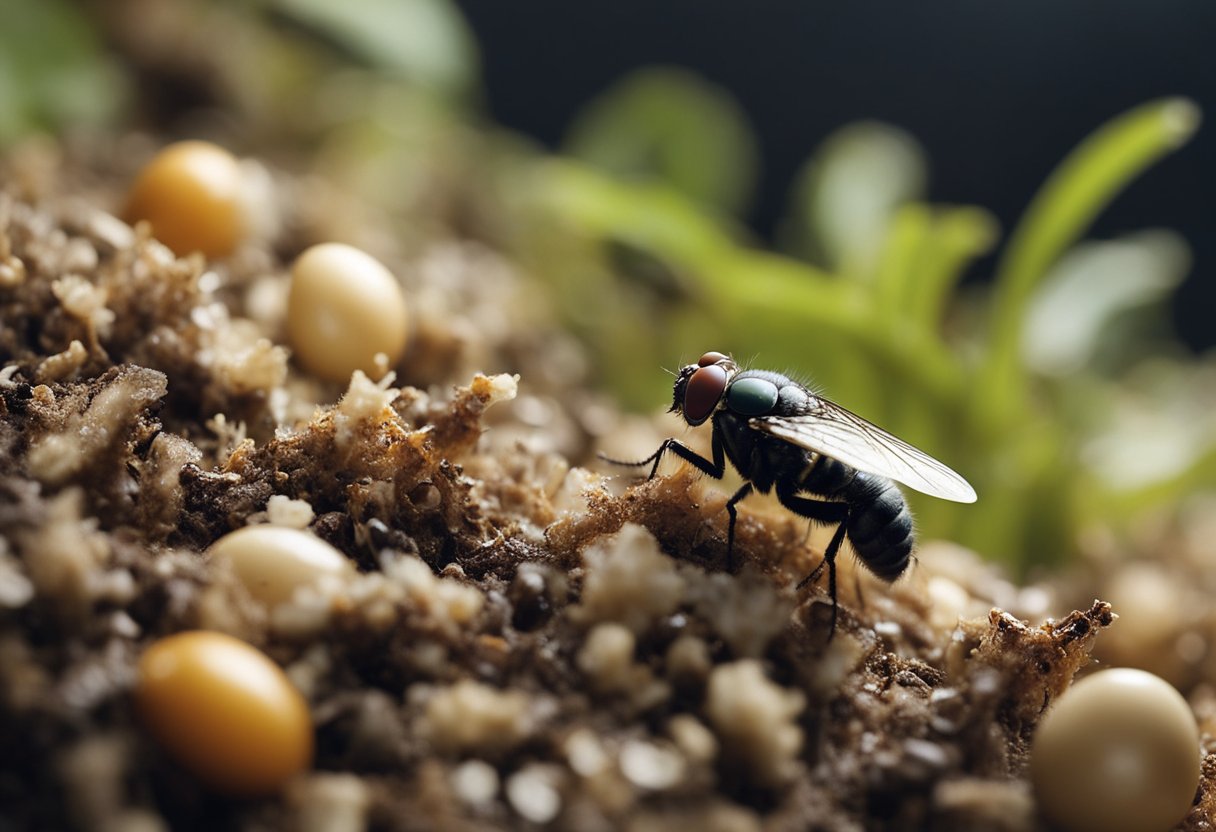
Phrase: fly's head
[699,387]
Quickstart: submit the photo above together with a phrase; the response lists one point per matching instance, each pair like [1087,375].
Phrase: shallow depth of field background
[861,195]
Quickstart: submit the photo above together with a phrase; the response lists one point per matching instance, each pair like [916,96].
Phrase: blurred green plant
[424,41]
[1041,391]
[668,124]
[873,310]
[53,70]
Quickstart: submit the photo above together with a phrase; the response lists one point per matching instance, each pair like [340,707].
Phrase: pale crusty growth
[86,303]
[629,580]
[247,367]
[57,457]
[66,559]
[62,365]
[747,609]
[607,659]
[363,408]
[326,802]
[756,720]
[445,599]
[534,792]
[16,589]
[161,496]
[469,717]
[1029,666]
[714,815]
[284,511]
[92,772]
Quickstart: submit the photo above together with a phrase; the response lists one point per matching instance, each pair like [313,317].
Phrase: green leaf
[1073,311]
[1062,210]
[669,125]
[53,72]
[846,195]
[426,41]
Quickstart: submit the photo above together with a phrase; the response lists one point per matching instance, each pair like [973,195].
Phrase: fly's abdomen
[880,526]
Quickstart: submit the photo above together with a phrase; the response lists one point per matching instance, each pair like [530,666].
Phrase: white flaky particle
[475,782]
[690,735]
[607,657]
[65,558]
[470,716]
[532,792]
[255,367]
[448,600]
[585,753]
[607,660]
[284,511]
[327,802]
[16,590]
[756,720]
[503,388]
[629,580]
[63,364]
[365,402]
[84,302]
[746,609]
[651,766]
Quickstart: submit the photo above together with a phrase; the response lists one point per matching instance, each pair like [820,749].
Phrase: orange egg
[224,711]
[191,193]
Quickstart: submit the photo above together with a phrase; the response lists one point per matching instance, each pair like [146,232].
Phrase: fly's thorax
[751,395]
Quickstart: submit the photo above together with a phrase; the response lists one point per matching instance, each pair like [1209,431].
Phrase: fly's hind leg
[819,511]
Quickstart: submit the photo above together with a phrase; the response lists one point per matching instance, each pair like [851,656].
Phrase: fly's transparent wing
[829,429]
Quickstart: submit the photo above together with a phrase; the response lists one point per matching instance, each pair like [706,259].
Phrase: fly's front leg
[715,467]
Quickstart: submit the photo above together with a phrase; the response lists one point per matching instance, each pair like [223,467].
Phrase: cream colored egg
[272,561]
[343,309]
[1119,752]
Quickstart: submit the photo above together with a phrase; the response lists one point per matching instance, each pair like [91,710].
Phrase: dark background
[997,92]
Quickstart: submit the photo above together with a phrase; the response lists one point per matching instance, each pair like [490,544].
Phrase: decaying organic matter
[522,642]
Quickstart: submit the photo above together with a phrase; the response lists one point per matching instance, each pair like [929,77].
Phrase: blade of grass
[960,235]
[1062,210]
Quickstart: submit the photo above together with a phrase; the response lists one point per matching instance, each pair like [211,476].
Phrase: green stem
[1063,209]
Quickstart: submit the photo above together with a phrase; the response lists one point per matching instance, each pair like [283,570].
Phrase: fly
[825,463]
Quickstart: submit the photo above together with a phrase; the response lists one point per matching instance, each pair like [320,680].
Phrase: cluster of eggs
[345,310]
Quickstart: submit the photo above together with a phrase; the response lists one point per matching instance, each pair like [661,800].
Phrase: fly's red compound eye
[704,391]
[712,358]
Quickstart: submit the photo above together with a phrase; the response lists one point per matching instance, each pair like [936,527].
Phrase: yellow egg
[1119,752]
[224,711]
[272,561]
[191,193]
[343,308]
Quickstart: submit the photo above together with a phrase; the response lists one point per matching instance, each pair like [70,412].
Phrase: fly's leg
[730,529]
[829,558]
[715,467]
[819,511]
